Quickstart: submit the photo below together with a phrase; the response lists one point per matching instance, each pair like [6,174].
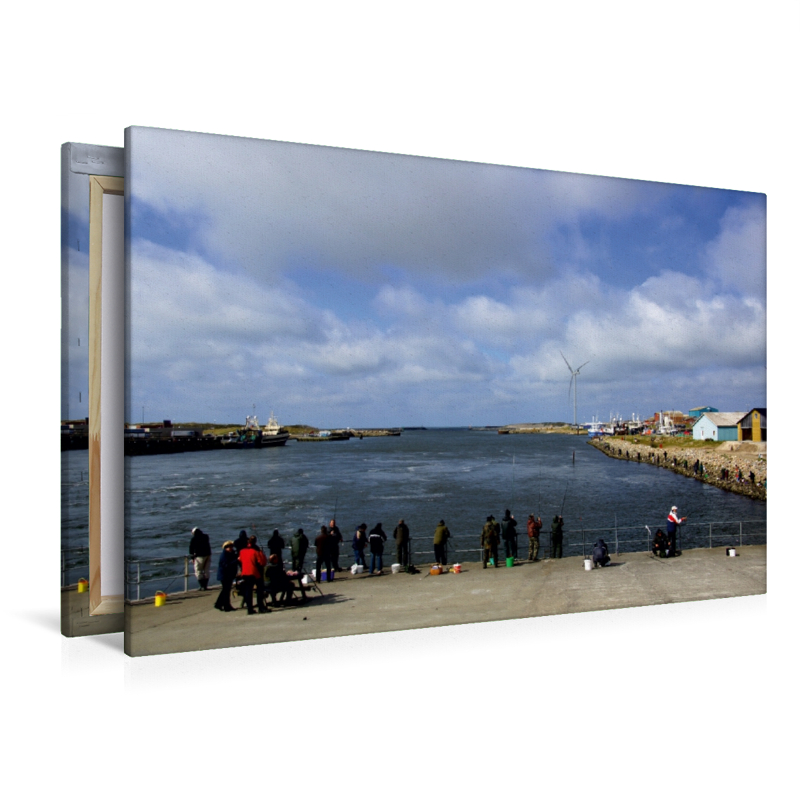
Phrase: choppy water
[457,475]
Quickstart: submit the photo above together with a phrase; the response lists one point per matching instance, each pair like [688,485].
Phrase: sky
[348,288]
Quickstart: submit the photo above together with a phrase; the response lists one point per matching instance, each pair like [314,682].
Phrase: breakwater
[737,467]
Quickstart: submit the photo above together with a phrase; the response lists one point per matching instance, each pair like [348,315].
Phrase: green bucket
[510,561]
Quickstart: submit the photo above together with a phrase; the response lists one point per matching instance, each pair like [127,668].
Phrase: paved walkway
[364,604]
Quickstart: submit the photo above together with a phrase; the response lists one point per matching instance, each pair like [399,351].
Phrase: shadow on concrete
[328,599]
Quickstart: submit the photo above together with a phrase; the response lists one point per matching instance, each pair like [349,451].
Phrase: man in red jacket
[534,529]
[253,561]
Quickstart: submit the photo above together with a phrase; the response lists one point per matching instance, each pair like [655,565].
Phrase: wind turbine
[574,377]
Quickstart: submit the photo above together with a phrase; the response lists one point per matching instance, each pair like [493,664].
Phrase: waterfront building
[720,426]
[753,426]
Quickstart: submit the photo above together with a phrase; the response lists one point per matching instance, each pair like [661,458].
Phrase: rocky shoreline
[705,464]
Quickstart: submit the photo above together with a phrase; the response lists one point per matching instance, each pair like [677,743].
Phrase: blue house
[698,412]
[720,426]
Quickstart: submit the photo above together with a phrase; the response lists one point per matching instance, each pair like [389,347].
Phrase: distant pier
[716,466]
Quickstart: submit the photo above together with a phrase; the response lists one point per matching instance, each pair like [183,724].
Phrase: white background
[696,700]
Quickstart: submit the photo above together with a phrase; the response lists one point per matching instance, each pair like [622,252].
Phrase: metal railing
[163,573]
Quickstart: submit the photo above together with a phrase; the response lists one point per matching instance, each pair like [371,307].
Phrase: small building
[698,412]
[753,426]
[152,430]
[719,426]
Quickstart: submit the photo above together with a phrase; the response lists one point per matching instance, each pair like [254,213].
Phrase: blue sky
[339,287]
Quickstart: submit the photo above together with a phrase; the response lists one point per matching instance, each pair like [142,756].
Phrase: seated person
[660,544]
[600,554]
[276,581]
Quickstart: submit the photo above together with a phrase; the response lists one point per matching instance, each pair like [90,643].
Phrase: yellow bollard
[83,585]
[161,598]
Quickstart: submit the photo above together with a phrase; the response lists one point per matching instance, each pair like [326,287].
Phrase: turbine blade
[581,366]
[565,361]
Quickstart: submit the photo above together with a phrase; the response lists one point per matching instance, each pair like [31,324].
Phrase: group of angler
[493,531]
[244,559]
[267,576]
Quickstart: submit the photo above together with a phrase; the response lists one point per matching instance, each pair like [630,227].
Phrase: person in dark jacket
[377,536]
[508,530]
[275,545]
[557,536]
[241,542]
[660,544]
[335,541]
[322,543]
[299,550]
[600,555]
[226,574]
[200,551]
[402,537]
[360,544]
[440,537]
[277,582]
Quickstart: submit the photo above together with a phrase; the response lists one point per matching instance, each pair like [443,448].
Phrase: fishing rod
[513,464]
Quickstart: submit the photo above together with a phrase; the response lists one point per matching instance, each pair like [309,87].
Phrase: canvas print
[91,570]
[370,392]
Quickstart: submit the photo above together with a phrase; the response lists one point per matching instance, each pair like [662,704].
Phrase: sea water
[422,476]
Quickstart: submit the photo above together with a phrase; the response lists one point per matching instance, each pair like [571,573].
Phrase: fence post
[616,538]
[740,533]
[138,580]
[185,574]
[709,535]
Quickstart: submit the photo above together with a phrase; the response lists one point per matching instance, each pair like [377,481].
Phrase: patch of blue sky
[74,231]
[178,229]
[671,235]
[349,298]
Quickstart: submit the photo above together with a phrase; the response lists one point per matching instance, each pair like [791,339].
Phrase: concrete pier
[365,604]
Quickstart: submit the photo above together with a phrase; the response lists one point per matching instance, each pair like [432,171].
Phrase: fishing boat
[272,434]
[254,436]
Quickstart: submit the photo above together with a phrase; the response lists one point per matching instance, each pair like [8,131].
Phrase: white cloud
[738,256]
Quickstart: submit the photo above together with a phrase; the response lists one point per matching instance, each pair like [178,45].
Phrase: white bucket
[396,568]
[359,569]
[587,564]
[731,551]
